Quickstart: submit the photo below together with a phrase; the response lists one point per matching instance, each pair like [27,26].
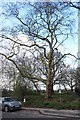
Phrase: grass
[68,101]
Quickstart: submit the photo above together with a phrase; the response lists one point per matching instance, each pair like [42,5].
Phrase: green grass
[68,101]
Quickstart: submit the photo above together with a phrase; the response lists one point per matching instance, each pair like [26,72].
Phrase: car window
[9,99]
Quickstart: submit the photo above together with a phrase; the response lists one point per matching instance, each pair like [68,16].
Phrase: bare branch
[64,56]
[75,6]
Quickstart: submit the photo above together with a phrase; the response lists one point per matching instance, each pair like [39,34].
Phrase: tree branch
[21,44]
[72,5]
[23,75]
[64,56]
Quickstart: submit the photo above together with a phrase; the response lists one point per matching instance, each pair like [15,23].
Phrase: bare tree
[68,77]
[47,25]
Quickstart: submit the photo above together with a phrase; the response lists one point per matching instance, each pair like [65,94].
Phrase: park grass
[68,101]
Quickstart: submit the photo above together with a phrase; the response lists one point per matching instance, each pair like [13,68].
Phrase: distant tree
[77,77]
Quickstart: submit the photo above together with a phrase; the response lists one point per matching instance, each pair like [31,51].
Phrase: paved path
[35,113]
[29,114]
[59,113]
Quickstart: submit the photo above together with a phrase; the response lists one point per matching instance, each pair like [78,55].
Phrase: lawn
[68,101]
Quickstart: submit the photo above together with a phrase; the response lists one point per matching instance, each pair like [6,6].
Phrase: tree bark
[48,88]
[49,80]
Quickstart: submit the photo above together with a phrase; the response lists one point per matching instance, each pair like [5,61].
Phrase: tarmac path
[32,114]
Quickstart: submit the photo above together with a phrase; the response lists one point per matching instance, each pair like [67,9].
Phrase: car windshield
[9,99]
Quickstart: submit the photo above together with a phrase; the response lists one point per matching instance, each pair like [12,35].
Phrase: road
[30,114]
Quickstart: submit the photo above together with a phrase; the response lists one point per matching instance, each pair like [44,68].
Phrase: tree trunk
[49,80]
[71,86]
[53,75]
[52,88]
[48,88]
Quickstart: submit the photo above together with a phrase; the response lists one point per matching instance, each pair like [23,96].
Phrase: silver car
[9,104]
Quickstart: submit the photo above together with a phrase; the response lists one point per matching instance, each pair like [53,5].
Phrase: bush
[19,92]
[77,90]
[6,93]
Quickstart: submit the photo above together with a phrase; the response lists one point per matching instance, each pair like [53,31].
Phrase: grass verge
[68,101]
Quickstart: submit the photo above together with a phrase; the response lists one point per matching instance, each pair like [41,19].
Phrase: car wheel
[6,109]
